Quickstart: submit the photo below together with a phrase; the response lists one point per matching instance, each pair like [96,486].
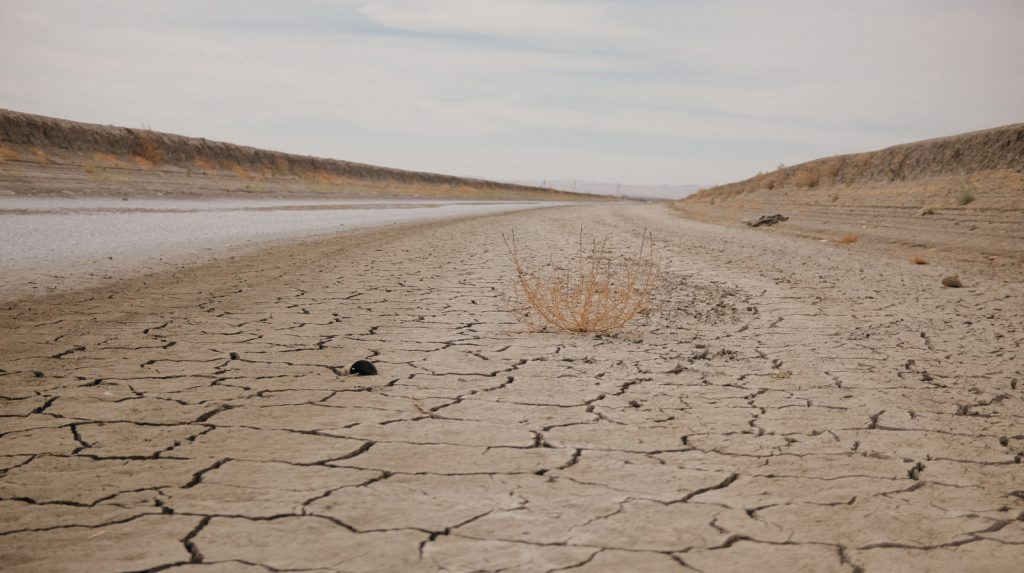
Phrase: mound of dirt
[42,154]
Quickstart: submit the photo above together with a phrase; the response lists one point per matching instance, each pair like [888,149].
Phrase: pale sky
[642,91]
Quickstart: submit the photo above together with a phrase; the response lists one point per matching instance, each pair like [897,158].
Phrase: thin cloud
[508,18]
[639,92]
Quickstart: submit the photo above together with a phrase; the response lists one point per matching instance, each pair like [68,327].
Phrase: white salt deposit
[54,243]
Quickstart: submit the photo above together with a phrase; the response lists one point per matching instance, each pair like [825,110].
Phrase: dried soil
[791,405]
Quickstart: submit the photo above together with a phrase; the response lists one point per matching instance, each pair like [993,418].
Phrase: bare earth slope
[956,200]
[44,155]
[792,406]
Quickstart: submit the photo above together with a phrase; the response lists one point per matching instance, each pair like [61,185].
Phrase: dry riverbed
[49,244]
[790,405]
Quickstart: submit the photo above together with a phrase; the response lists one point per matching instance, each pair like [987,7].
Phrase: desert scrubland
[790,402]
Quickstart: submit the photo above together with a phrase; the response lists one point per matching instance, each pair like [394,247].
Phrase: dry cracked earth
[788,406]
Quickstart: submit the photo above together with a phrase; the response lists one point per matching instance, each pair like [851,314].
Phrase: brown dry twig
[595,290]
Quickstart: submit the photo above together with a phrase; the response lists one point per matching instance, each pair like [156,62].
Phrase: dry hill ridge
[954,199]
[1001,148]
[41,154]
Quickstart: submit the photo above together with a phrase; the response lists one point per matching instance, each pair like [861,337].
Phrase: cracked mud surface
[789,406]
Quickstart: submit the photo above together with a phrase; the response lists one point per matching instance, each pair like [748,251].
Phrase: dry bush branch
[595,290]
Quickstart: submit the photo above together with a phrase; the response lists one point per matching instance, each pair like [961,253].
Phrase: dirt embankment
[958,198]
[47,155]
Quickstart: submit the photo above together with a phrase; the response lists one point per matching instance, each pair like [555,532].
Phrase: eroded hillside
[47,155]
[957,199]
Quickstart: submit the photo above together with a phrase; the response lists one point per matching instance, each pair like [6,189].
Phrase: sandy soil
[924,220]
[792,405]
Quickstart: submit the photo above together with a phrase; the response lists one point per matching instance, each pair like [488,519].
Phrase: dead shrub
[6,153]
[593,290]
[848,238]
[804,178]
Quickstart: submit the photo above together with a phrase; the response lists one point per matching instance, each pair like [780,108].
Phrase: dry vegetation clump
[204,165]
[804,178]
[848,238]
[6,153]
[42,156]
[106,160]
[965,198]
[239,171]
[281,166]
[147,148]
[595,290]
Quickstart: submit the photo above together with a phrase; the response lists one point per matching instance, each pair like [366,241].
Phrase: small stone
[925,212]
[362,368]
[767,220]
[952,282]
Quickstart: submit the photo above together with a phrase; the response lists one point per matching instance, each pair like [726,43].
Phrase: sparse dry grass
[6,153]
[281,166]
[320,177]
[107,160]
[805,178]
[204,164]
[240,171]
[42,156]
[848,239]
[595,290]
[965,198]
[147,148]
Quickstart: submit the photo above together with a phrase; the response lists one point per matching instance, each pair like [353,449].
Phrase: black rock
[362,368]
[767,220]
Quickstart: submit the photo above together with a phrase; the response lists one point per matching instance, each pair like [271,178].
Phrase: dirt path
[792,406]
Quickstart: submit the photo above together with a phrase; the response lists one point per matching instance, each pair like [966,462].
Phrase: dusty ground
[924,219]
[792,405]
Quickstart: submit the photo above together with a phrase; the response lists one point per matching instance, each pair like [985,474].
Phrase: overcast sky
[640,91]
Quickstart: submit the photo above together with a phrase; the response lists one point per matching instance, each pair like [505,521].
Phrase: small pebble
[952,282]
[362,368]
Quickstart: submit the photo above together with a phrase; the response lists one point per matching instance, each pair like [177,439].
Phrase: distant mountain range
[624,189]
